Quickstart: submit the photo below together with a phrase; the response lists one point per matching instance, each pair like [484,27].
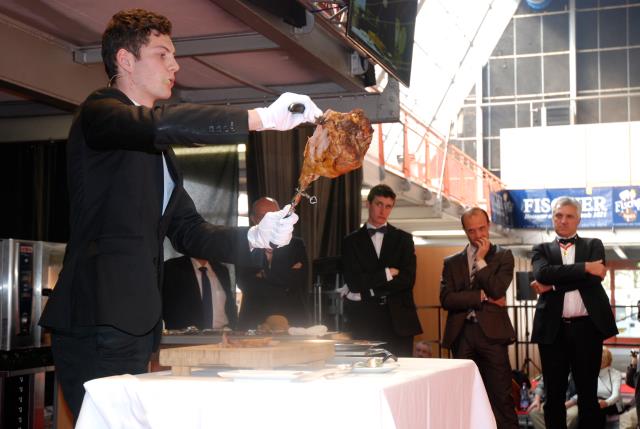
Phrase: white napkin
[316,330]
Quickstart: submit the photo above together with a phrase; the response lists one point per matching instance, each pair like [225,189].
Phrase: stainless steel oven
[27,269]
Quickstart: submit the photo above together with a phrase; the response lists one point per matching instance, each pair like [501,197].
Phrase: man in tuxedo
[380,269]
[573,316]
[196,292]
[472,289]
[126,196]
[279,285]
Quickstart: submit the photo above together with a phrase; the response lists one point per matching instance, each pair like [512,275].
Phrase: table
[420,393]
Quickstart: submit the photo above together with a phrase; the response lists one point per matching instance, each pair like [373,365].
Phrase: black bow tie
[381,230]
[571,240]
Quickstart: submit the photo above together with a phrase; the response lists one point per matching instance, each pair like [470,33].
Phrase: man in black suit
[279,286]
[196,292]
[472,289]
[380,269]
[126,195]
[573,316]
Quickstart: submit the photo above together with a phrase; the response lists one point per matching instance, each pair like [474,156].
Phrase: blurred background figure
[536,409]
[279,285]
[609,382]
[423,349]
[629,419]
[197,292]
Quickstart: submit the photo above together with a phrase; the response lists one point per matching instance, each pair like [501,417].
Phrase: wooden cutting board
[182,359]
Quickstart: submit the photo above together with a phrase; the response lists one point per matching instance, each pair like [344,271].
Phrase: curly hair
[130,30]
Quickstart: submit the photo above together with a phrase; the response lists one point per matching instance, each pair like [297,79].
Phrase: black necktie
[382,230]
[571,240]
[207,300]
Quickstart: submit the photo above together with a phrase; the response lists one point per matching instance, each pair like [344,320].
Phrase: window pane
[556,73]
[627,296]
[529,75]
[613,65]
[586,35]
[556,33]
[613,28]
[501,77]
[527,35]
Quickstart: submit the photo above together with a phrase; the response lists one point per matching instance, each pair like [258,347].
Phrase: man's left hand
[602,403]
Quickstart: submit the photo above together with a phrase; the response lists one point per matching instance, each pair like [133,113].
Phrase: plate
[257,374]
[387,367]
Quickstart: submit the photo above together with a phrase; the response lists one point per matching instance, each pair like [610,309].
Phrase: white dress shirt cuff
[388,272]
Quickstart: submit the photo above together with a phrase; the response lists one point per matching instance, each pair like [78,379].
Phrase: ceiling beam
[316,48]
[379,107]
[190,46]
[33,129]
[43,64]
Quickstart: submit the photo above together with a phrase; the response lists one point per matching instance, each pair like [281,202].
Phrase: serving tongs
[300,193]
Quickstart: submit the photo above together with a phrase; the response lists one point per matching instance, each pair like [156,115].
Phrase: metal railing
[415,151]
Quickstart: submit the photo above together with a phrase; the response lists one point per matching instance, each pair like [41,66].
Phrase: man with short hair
[197,292]
[126,195]
[379,266]
[472,289]
[279,285]
[573,316]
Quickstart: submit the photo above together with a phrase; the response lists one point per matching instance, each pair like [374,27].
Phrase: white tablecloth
[420,393]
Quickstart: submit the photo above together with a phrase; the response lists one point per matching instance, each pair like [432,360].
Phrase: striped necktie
[474,267]
[471,315]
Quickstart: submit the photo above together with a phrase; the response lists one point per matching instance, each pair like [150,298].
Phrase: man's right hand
[394,272]
[596,268]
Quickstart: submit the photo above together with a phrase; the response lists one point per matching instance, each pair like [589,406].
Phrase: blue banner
[601,207]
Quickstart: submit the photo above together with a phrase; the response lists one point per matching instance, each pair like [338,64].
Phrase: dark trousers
[369,320]
[82,354]
[492,359]
[577,348]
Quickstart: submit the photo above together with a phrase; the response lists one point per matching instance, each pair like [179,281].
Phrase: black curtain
[35,200]
[211,178]
[274,161]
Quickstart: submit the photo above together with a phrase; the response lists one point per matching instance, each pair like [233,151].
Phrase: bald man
[280,285]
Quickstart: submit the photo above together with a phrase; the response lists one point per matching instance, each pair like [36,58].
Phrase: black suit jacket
[278,289]
[181,297]
[549,270]
[458,295]
[112,268]
[365,273]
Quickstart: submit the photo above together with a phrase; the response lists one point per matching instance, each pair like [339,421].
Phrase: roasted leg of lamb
[337,146]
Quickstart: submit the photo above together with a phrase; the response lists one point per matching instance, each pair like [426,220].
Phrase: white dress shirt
[169,184]
[218,295]
[573,305]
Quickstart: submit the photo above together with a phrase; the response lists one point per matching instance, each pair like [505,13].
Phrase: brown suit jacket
[457,295]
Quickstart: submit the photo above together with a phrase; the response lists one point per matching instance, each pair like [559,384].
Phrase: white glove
[273,228]
[278,117]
